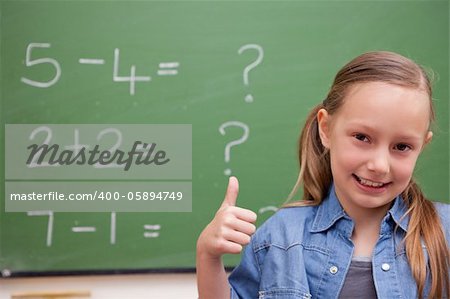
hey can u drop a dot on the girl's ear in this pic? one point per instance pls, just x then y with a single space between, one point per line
323 120
428 138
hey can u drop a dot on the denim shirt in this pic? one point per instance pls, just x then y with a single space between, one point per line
305 252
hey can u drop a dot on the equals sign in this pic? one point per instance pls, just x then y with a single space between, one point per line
168 68
153 230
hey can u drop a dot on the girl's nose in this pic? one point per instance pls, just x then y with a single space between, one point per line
379 162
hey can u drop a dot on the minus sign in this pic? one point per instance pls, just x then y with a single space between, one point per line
91 61
83 229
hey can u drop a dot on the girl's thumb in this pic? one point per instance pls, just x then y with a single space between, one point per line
232 192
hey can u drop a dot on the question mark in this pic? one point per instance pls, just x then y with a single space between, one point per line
248 68
234 142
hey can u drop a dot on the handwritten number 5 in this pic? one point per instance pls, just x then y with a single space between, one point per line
31 62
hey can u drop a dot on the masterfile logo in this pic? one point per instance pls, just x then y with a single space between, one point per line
94 156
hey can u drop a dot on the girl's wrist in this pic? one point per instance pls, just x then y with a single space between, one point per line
205 255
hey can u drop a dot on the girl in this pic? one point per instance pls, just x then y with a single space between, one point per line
363 228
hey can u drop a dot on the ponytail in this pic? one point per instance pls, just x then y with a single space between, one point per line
424 225
315 171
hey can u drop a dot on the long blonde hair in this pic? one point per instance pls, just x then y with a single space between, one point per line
315 171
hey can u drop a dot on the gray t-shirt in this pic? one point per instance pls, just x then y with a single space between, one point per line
359 280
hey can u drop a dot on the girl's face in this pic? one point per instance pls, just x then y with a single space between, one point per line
374 140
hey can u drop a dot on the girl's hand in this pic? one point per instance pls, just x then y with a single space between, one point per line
230 229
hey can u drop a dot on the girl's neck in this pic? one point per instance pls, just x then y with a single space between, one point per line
366 231
364 240
365 216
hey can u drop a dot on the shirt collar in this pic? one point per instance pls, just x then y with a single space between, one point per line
398 213
330 211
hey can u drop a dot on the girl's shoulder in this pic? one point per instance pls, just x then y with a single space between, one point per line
443 210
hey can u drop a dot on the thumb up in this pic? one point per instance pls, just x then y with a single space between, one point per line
231 193
231 227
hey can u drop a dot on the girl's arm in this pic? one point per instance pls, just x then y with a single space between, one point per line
230 229
211 277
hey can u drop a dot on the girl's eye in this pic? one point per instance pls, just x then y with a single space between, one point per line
402 147
361 137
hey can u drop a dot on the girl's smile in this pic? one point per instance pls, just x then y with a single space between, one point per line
369 185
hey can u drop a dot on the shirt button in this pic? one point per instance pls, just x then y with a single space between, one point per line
333 269
385 267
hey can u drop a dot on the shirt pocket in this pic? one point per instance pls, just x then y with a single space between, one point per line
282 272
284 294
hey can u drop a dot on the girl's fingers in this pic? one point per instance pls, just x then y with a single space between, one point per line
243 227
225 246
244 214
237 237
233 248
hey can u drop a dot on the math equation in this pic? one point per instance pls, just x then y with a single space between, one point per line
149 230
169 68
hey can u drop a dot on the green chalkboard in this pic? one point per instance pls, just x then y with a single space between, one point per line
258 65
